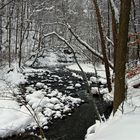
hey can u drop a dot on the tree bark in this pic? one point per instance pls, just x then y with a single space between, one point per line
121 54
114 31
108 31
135 29
1 12
99 21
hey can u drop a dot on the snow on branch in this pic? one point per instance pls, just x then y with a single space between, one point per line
83 73
87 46
74 54
116 11
60 37
109 40
93 51
6 4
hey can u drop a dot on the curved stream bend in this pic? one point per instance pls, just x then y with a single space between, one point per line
73 127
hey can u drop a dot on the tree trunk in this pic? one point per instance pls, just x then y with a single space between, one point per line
0 32
114 32
1 13
121 53
108 31
9 42
98 15
17 31
21 33
135 29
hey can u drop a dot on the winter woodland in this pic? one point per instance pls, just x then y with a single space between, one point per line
69 69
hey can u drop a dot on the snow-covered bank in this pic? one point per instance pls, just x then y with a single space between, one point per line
122 126
89 68
43 104
14 118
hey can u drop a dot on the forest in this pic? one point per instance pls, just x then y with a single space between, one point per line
69 69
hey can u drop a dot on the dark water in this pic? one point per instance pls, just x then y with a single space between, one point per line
74 127
71 127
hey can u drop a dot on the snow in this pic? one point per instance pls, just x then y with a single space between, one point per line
50 8
94 90
89 68
115 10
77 85
69 87
51 59
74 74
122 126
42 103
93 79
10 119
16 117
39 85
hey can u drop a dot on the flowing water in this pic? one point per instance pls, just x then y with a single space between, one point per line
72 127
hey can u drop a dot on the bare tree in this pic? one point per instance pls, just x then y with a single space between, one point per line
103 44
121 53
135 28
1 13
114 30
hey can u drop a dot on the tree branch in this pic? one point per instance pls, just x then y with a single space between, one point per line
83 73
94 52
6 4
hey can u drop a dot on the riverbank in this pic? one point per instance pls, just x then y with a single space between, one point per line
53 98
122 126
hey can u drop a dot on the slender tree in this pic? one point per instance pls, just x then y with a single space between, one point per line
121 54
103 43
1 12
135 28
114 30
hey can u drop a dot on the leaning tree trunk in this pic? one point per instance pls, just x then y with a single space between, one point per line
99 21
114 31
121 54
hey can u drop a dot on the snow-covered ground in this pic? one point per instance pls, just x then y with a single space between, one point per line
89 68
36 105
16 117
124 126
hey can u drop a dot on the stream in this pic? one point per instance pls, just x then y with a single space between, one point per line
75 125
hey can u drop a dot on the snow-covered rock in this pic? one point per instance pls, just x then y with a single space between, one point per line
93 79
102 81
39 85
30 89
70 87
48 112
54 93
94 90
54 100
77 85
